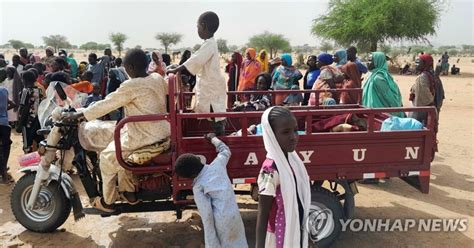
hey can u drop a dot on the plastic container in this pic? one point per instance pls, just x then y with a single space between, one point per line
29 159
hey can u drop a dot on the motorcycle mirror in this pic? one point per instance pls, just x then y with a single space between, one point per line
59 89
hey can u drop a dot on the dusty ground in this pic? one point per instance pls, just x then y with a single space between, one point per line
451 196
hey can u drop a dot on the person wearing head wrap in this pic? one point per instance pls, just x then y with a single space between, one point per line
274 63
157 65
380 90
286 75
263 59
187 77
329 78
35 58
49 59
249 71
24 56
283 183
188 80
115 79
71 61
424 91
82 68
233 69
310 76
340 58
352 81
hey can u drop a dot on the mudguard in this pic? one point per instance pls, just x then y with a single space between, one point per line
66 181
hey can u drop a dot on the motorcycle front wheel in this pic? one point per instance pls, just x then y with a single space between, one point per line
51 209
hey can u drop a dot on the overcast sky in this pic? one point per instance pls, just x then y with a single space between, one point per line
89 20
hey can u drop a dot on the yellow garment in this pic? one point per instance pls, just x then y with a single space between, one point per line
147 153
113 174
263 62
137 96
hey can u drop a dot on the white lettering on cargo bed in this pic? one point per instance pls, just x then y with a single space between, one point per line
306 156
358 157
251 159
412 152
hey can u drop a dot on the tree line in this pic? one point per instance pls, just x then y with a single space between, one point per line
370 25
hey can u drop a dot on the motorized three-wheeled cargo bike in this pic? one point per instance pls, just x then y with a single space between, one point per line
340 158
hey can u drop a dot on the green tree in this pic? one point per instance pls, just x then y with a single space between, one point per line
118 39
57 41
385 48
467 49
453 52
305 49
222 46
16 44
168 39
326 46
446 48
270 41
369 22
233 48
91 45
300 62
29 45
196 47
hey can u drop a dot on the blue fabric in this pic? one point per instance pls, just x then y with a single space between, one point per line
3 107
91 99
259 130
329 101
312 76
395 123
215 199
361 67
326 58
342 55
287 58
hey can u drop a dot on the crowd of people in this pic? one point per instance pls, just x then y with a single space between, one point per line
137 86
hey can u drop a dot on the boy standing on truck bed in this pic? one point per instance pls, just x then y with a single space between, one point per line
211 92
214 197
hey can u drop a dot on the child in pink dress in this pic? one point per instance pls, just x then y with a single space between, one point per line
284 189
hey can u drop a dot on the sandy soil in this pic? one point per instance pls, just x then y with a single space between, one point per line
451 196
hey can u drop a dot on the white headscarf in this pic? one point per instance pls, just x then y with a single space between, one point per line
287 184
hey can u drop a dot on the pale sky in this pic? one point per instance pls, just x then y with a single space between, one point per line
83 21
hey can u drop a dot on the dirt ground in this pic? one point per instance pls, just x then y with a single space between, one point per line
451 196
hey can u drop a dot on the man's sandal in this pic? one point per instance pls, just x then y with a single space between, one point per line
97 204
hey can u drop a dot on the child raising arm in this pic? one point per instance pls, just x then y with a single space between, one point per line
214 197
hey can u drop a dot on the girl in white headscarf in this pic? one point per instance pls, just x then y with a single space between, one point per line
283 184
